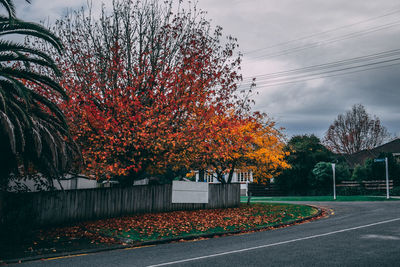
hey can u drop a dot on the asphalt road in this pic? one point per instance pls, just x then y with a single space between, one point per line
357 234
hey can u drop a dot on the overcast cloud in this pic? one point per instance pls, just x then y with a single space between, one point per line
310 106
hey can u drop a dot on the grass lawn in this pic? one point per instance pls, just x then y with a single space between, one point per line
180 224
318 198
156 226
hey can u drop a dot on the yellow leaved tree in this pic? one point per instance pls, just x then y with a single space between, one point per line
251 143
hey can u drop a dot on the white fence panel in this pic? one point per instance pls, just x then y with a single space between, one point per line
189 192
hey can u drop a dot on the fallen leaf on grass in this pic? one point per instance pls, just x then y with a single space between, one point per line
143 227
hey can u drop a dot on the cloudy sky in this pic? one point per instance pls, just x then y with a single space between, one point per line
285 35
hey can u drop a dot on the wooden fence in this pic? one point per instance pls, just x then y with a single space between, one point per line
367 185
264 190
63 207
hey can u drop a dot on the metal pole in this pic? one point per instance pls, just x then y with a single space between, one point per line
387 178
334 184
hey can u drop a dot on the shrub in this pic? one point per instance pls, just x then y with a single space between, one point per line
351 191
321 181
395 191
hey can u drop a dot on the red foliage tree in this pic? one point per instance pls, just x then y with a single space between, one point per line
154 92
144 83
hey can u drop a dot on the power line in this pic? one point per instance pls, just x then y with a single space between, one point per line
329 41
330 71
323 32
320 77
319 67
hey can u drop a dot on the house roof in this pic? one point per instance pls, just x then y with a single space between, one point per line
361 156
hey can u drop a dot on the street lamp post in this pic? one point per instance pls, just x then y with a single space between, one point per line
334 183
387 178
387 174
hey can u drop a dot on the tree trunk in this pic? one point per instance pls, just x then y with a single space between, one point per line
220 177
232 170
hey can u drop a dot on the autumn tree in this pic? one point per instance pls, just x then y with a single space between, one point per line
267 157
145 82
244 142
354 131
154 92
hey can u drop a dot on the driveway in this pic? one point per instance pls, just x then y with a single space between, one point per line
354 234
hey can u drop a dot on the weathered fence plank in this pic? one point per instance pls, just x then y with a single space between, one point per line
368 185
63 207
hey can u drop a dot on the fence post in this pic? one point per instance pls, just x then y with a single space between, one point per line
248 198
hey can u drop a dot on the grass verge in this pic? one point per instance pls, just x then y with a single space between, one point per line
318 198
181 224
155 227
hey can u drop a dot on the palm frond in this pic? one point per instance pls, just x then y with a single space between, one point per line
9 46
2 100
31 29
22 114
51 106
18 131
29 60
39 79
33 128
8 129
13 87
50 150
36 142
9 6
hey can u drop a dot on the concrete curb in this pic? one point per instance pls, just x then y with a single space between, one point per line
163 241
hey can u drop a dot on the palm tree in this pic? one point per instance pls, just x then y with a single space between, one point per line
33 130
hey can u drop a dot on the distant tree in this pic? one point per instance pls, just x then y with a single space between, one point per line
305 152
354 131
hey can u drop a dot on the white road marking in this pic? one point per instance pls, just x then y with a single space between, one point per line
273 244
382 237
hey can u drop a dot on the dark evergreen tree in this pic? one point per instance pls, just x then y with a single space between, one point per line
306 151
